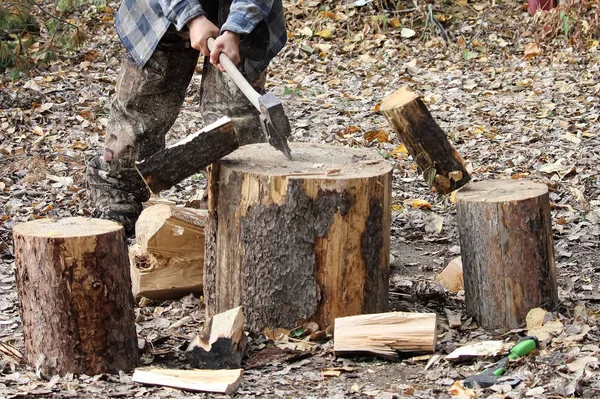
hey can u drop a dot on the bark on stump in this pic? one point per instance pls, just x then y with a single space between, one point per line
426 142
75 291
306 239
507 252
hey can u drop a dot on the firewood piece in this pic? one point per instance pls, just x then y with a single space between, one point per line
291 243
75 290
217 381
190 155
385 334
168 260
222 342
507 252
442 166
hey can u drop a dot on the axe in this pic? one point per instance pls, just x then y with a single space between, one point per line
273 119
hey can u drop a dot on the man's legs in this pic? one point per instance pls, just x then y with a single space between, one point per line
145 106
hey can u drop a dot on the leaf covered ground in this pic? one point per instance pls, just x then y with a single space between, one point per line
512 106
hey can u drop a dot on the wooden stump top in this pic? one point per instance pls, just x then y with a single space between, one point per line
398 99
66 227
328 162
501 191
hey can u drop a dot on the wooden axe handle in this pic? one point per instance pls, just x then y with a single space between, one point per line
237 76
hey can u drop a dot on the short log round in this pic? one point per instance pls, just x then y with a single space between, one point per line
306 239
507 252
74 286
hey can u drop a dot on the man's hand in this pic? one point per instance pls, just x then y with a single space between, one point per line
228 43
200 30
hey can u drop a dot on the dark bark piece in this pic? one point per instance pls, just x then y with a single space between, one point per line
507 251
442 166
298 240
217 381
167 260
168 167
75 291
385 335
221 344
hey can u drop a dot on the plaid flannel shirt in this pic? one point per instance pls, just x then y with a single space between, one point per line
142 23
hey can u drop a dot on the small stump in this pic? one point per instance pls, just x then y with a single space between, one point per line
75 291
507 252
291 241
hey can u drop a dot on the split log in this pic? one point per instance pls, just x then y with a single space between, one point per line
221 344
507 252
75 292
426 142
190 155
167 260
385 335
297 240
217 381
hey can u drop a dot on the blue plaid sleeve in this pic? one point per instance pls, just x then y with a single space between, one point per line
179 12
244 15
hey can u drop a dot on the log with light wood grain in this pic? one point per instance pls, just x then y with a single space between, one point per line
507 251
188 156
216 381
426 142
75 291
221 343
385 335
301 239
167 260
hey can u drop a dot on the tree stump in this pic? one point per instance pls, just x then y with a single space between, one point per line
507 252
426 142
75 291
306 239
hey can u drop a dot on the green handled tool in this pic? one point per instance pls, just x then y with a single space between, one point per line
494 374
273 119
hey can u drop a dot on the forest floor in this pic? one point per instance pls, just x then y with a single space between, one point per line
512 107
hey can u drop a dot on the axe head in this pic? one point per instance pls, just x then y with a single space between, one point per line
275 122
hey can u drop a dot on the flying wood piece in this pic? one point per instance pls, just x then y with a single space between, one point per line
217 381
385 334
168 167
442 166
222 342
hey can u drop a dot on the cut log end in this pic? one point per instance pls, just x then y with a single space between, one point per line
501 191
399 98
78 227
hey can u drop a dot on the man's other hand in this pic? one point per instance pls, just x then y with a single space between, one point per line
200 30
228 43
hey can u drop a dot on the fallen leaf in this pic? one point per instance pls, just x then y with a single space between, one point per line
434 223
395 22
582 362
407 33
535 318
60 181
469 55
417 203
532 50
547 331
306 31
459 392
325 33
452 276
400 151
380 135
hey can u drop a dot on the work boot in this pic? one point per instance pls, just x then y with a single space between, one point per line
117 195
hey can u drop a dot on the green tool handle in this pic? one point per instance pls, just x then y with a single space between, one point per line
522 349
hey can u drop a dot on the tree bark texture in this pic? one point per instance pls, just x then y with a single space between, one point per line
443 168
188 156
75 292
291 241
507 251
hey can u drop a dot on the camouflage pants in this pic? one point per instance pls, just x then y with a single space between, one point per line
148 100
146 104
